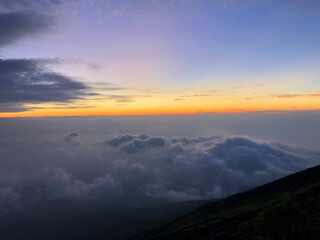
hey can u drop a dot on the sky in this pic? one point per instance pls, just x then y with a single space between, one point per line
121 57
223 96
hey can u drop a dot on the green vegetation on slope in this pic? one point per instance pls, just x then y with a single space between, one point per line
288 208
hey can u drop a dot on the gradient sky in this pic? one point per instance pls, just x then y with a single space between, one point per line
160 57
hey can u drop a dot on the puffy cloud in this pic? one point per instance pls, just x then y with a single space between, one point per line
117 141
38 164
183 168
137 145
136 169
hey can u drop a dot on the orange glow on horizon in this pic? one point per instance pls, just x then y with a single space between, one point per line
74 113
169 104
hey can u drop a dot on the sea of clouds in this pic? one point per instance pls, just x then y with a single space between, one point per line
47 165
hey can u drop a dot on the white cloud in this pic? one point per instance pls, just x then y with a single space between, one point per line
133 169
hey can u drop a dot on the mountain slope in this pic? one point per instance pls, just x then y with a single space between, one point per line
288 208
69 220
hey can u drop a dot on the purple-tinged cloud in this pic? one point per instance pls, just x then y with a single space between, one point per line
135 169
30 81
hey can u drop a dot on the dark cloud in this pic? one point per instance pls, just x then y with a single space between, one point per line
30 81
71 136
18 25
27 4
25 81
13 107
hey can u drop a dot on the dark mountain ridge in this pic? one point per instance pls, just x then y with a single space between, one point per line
288 208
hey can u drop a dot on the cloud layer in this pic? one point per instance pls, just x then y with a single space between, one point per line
138 169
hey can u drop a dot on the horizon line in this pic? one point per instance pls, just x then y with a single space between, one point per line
172 114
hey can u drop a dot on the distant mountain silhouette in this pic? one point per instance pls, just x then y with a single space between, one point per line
288 208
